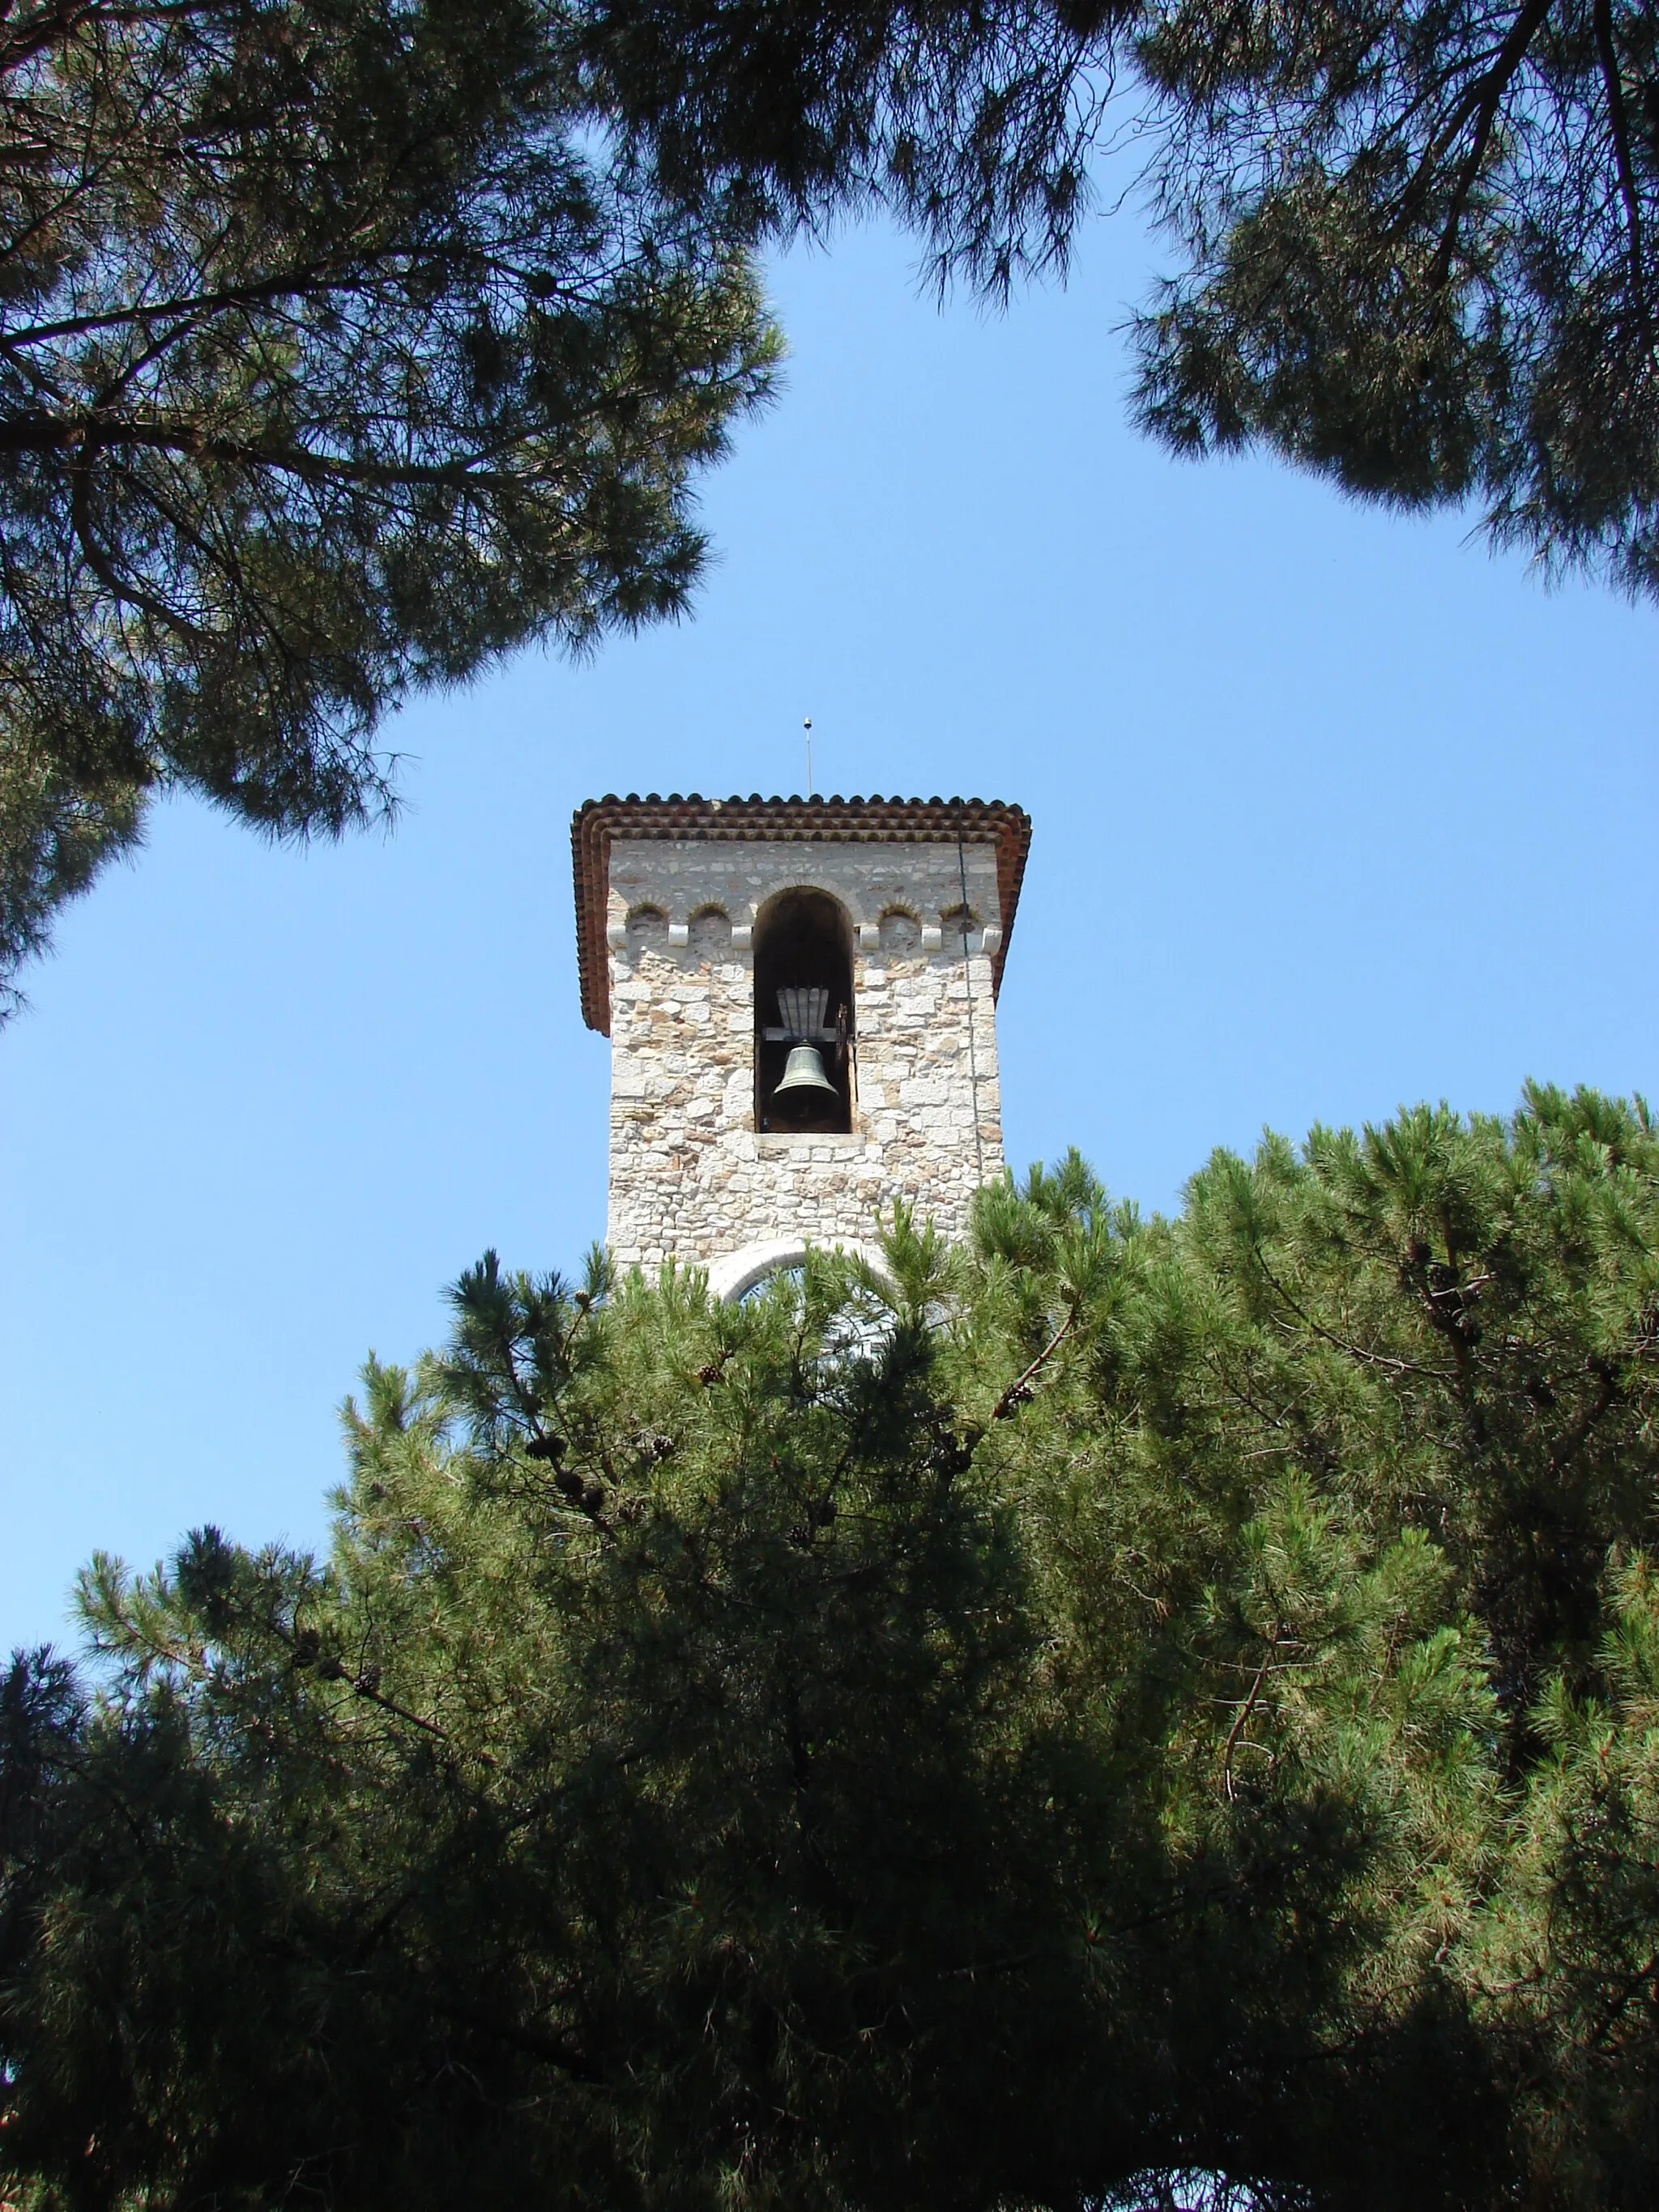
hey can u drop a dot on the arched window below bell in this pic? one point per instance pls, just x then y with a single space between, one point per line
804 1015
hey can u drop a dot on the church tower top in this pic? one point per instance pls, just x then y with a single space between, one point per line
800 996
599 822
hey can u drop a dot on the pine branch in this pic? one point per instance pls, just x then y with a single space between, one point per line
1020 1388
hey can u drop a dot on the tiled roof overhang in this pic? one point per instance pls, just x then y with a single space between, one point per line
755 820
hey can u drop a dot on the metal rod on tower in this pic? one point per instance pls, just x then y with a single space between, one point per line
807 726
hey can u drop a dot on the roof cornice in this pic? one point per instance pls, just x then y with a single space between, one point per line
596 825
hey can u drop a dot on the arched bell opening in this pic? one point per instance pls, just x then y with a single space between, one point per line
804 1015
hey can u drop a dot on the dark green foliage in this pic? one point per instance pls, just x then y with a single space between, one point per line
975 122
331 362
1419 242
1423 257
1131 1701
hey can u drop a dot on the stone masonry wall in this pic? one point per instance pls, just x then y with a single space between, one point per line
690 1179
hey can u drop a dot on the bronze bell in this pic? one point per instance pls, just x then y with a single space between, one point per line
805 1072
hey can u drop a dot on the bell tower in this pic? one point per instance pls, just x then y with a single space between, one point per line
800 996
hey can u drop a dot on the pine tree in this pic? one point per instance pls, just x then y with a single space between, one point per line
334 361
1417 243
1135 1712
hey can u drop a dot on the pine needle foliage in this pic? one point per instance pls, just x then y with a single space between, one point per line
1415 243
1131 1712
335 362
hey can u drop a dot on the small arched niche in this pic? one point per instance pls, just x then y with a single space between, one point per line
711 935
647 930
900 933
804 981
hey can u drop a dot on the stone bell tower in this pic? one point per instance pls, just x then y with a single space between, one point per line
801 1000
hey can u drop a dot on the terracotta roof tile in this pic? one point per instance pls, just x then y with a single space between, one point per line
754 819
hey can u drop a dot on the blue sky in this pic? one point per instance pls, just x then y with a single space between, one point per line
1332 811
